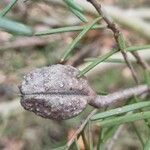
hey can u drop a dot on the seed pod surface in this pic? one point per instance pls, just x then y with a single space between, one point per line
55 92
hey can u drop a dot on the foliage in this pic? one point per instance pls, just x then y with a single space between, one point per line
108 121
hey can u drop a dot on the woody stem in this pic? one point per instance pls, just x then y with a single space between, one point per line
120 96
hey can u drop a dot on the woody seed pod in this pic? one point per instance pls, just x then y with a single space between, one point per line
55 92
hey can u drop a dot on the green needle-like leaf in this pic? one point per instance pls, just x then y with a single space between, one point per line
125 119
8 8
60 148
104 57
109 60
76 9
15 27
96 62
147 145
72 4
135 48
67 29
138 133
79 15
110 132
76 144
147 77
78 38
120 110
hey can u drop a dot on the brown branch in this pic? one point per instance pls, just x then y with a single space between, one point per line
119 96
121 16
104 101
117 34
141 62
27 42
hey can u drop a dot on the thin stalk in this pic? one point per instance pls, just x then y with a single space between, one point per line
84 138
100 144
118 36
147 145
72 4
120 110
108 100
67 29
8 8
141 110
106 56
125 119
90 135
96 62
135 48
138 133
78 14
78 38
76 144
109 60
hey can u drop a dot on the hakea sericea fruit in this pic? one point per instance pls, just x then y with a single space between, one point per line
55 92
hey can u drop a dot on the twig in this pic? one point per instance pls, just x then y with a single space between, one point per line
8 8
142 62
119 96
129 66
121 16
27 42
117 35
103 67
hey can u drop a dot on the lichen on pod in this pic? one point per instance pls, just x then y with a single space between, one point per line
55 92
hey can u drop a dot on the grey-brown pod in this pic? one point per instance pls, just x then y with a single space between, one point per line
55 92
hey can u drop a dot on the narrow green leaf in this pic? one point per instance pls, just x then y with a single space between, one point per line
120 110
100 144
74 5
125 119
96 62
147 145
76 9
67 29
8 8
100 59
146 121
147 77
78 38
135 48
76 144
60 148
110 132
139 134
14 27
90 139
109 60
79 15
84 138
